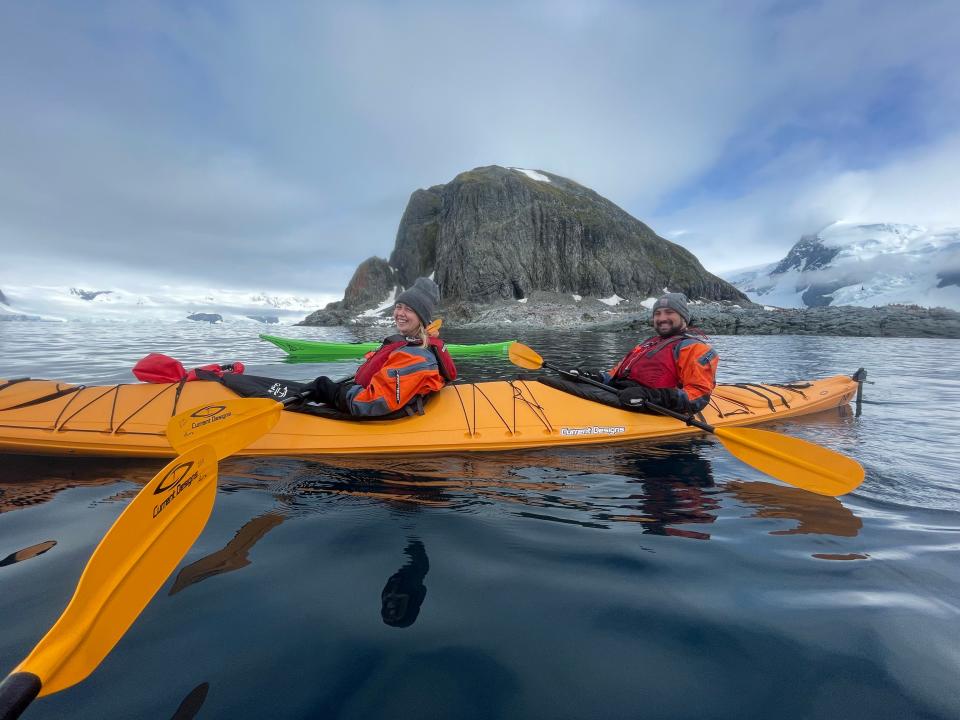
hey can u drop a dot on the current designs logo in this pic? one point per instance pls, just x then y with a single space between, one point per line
593 430
209 414
173 477
208 411
180 478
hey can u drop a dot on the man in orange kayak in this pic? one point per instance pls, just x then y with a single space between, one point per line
675 368
407 367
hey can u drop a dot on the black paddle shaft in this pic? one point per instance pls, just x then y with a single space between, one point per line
299 397
16 692
688 419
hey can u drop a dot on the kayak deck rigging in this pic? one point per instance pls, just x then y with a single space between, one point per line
538 410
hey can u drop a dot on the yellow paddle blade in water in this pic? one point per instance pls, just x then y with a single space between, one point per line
129 565
794 461
226 426
524 356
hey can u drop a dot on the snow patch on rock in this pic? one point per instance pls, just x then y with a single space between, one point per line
532 174
385 305
613 300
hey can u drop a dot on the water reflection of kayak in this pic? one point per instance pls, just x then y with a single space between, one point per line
49 417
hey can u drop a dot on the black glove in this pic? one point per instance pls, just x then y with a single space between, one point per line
594 375
323 390
633 398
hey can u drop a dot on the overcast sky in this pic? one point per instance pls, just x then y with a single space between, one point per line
273 145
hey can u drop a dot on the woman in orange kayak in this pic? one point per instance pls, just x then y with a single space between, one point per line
675 368
407 367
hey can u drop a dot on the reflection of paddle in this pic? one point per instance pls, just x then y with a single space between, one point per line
129 565
231 557
28 552
814 514
192 703
794 461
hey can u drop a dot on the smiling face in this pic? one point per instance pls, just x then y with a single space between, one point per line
667 321
406 320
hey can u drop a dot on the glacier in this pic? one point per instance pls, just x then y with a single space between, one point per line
862 264
169 303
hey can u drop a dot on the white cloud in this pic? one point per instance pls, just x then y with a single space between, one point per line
921 187
279 143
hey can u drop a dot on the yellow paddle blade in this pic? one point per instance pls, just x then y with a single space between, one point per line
129 565
227 426
433 329
524 357
794 461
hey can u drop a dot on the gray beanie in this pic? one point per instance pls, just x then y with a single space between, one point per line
674 301
422 297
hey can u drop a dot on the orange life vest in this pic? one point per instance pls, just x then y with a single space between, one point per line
375 362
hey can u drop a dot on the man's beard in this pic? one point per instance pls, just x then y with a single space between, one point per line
668 329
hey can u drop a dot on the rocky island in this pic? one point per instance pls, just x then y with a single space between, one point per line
532 249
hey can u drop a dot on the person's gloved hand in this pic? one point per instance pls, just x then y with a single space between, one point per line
634 397
322 390
588 373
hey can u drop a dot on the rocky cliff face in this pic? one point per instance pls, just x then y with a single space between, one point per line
372 282
497 233
808 256
415 252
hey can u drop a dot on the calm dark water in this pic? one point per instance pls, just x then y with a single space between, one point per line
654 580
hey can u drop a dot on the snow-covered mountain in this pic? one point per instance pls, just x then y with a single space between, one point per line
866 265
53 303
8 313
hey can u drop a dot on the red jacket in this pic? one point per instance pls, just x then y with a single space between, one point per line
685 362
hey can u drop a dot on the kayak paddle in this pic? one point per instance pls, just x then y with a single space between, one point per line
797 462
140 550
127 568
226 425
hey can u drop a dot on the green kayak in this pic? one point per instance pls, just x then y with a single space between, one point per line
325 350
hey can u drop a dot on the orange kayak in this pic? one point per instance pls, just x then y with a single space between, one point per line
46 417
